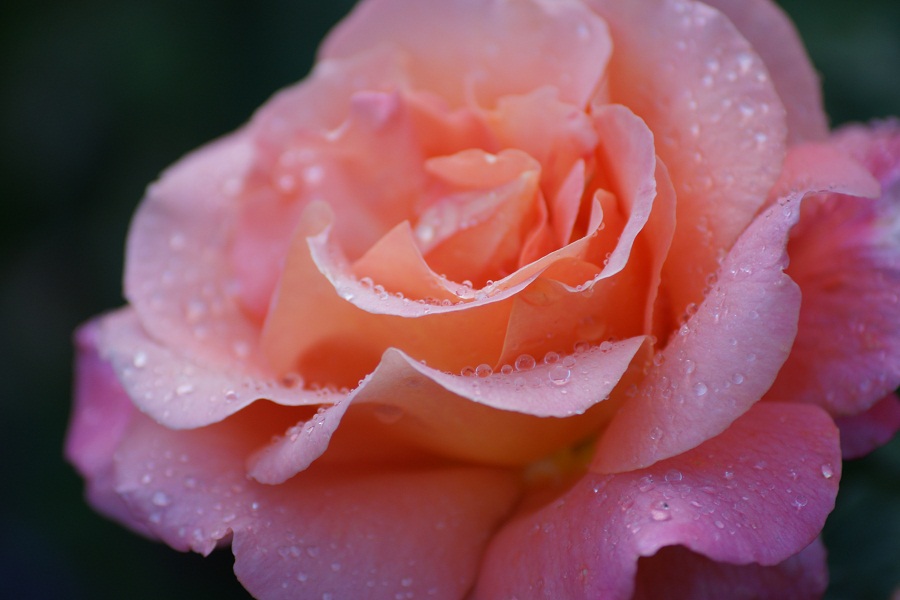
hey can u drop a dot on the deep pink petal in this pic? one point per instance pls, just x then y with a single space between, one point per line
723 358
101 416
718 124
328 531
676 572
772 34
487 50
757 493
864 432
845 257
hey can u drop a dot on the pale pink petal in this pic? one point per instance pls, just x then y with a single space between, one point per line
864 432
676 572
771 33
178 276
101 416
757 493
845 257
718 123
326 531
721 361
487 50
180 391
823 168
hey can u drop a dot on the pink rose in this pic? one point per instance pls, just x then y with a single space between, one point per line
509 300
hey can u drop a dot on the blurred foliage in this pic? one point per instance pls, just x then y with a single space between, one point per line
98 97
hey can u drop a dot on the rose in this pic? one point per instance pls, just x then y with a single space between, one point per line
631 200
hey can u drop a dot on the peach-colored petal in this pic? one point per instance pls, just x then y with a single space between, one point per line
719 500
489 50
554 133
718 123
774 37
676 572
846 260
864 432
722 359
496 418
326 531
552 314
319 310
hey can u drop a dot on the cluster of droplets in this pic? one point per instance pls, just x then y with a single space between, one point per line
554 370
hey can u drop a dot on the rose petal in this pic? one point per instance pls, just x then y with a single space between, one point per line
823 168
500 419
676 572
864 432
324 532
717 120
497 50
717 500
846 260
101 416
772 34
181 392
559 309
722 359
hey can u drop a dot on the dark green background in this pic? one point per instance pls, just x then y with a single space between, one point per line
96 97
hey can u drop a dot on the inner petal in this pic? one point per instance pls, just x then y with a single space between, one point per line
478 211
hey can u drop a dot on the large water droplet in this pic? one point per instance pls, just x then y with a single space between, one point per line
525 362
559 374
827 471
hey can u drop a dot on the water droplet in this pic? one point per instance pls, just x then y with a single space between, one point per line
559 374
525 362
827 471
799 502
674 475
737 378
484 370
467 372
551 358
140 360
689 366
656 433
160 499
700 388
184 389
506 369
719 524
658 359
729 475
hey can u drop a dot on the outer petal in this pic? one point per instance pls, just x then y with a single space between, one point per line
486 49
758 493
717 119
332 532
845 256
864 432
100 419
773 36
721 361
676 572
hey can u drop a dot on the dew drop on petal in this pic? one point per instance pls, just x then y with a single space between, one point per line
525 362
